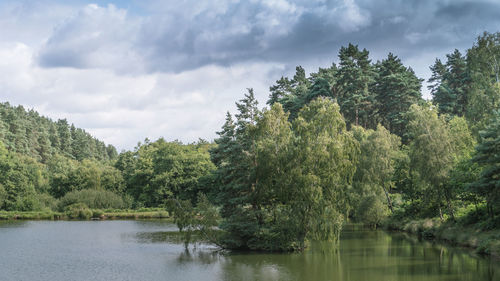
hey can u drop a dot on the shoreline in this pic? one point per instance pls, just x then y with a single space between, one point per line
95 215
483 242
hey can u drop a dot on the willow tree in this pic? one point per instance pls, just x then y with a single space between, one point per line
323 168
436 148
376 165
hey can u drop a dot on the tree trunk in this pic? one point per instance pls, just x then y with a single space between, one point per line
388 199
356 116
450 208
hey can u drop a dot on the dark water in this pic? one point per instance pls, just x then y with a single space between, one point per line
142 250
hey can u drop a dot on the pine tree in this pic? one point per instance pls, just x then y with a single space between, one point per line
396 88
282 88
237 161
64 134
488 156
451 83
353 86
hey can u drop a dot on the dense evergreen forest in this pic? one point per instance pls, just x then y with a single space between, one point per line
354 141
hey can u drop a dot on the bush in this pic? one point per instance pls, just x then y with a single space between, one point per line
78 211
94 199
34 202
97 213
471 214
47 202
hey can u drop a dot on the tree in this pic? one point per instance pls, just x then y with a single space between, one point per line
236 161
64 134
488 157
451 84
436 148
356 76
323 167
376 165
281 89
319 88
483 62
397 88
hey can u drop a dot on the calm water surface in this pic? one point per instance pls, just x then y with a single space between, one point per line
141 250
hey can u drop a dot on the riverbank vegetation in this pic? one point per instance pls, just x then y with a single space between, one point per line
82 212
354 141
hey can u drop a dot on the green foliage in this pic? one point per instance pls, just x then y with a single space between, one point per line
488 157
94 199
282 184
156 171
376 166
355 77
203 218
367 93
483 63
451 84
372 211
78 211
37 160
28 133
438 150
68 175
396 89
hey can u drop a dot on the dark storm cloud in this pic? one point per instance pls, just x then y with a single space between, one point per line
192 34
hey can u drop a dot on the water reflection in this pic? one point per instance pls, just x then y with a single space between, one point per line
13 223
362 255
200 256
173 237
153 250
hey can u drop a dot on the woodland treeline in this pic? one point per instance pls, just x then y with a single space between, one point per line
354 141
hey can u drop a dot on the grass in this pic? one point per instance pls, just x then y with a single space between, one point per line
41 215
135 214
149 213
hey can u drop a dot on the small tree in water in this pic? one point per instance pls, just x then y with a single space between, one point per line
188 219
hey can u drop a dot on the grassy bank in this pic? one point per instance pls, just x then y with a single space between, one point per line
87 214
475 236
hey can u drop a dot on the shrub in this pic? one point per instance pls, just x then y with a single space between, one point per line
78 211
94 199
47 201
97 213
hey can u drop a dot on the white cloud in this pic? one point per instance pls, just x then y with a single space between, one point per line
173 69
353 17
124 109
95 37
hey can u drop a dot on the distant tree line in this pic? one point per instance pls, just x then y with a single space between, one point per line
26 132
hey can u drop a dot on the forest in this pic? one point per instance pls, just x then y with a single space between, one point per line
352 142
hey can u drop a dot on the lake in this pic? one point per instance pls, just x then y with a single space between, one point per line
142 250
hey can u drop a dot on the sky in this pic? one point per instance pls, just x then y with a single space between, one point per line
129 70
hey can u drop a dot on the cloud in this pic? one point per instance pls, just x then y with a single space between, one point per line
192 34
96 37
155 68
124 109
187 35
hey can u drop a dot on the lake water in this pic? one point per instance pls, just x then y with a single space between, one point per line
141 250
